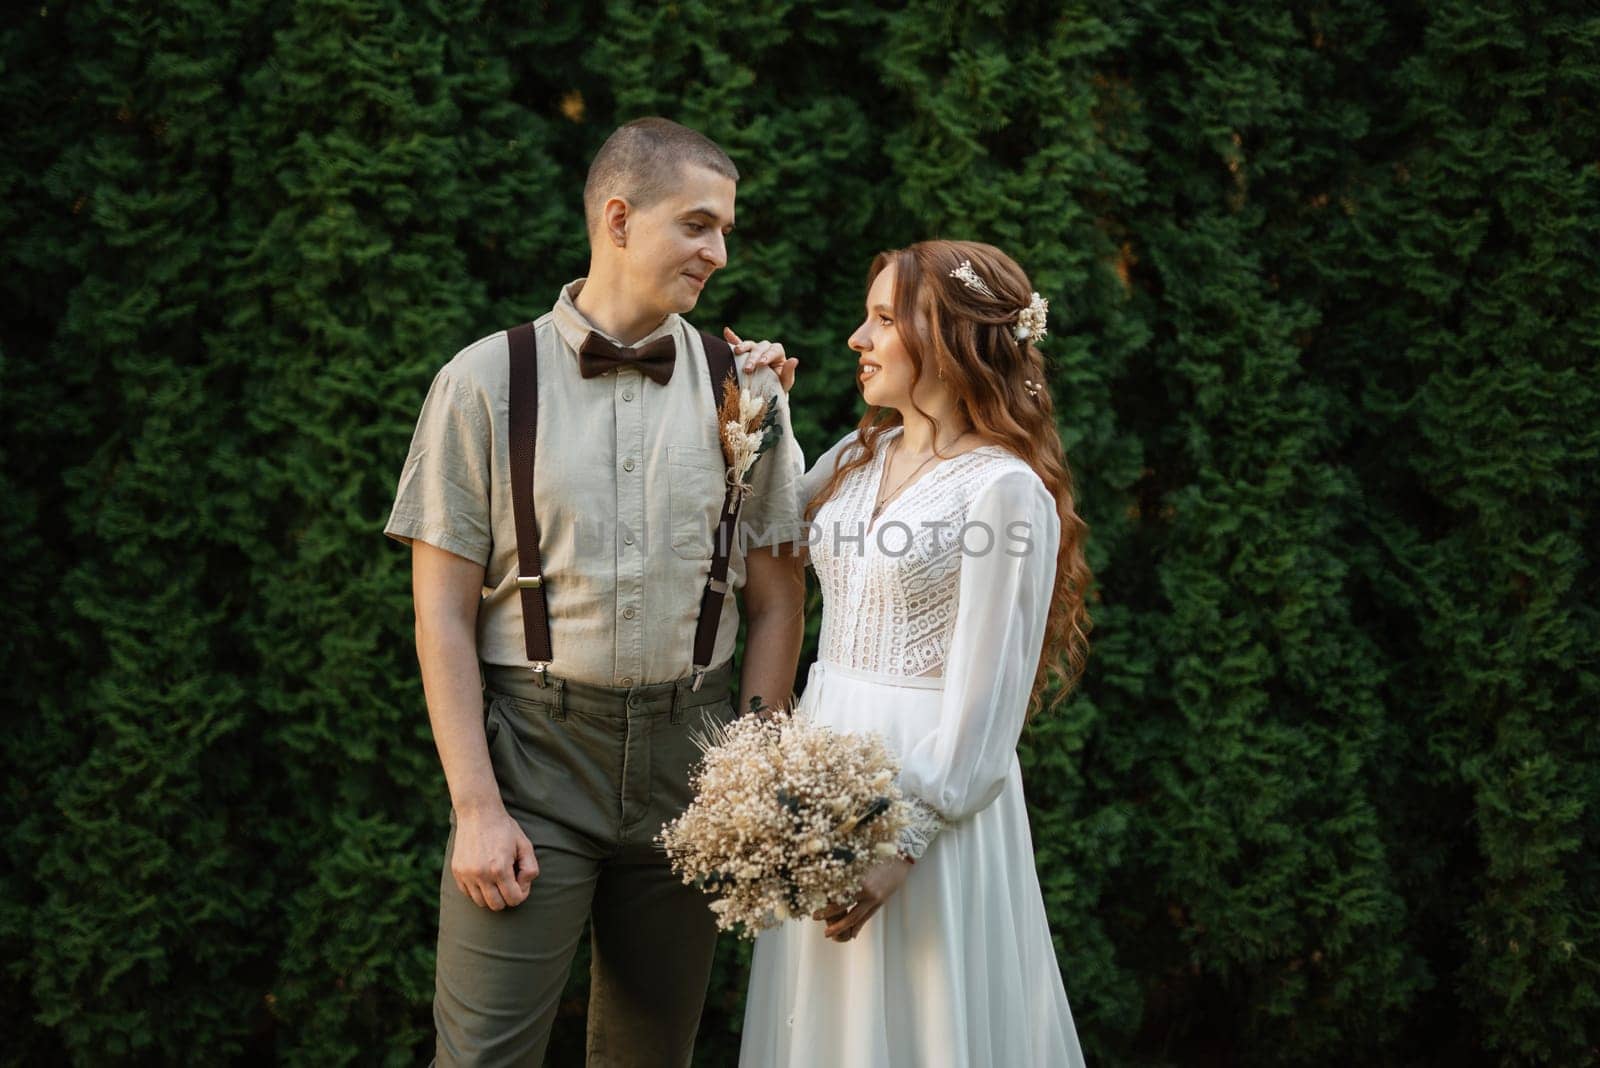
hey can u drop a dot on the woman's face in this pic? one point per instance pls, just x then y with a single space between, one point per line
883 368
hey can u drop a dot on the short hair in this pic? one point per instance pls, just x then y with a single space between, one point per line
641 161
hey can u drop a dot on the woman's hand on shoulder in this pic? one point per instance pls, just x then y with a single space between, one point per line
763 354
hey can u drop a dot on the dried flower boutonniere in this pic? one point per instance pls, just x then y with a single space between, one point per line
749 427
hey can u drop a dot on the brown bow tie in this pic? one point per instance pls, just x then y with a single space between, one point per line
597 356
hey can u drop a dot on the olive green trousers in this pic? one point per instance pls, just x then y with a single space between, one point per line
590 773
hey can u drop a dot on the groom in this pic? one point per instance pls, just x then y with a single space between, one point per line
560 499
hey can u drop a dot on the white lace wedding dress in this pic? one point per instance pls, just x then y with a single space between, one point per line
931 634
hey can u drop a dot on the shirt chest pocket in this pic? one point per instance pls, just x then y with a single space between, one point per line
694 498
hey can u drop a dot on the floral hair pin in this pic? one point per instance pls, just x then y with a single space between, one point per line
1030 320
969 278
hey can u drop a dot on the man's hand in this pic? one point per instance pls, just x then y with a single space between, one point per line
879 885
764 354
493 861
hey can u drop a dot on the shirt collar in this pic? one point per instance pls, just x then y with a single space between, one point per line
574 326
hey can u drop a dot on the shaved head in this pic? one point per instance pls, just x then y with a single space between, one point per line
643 161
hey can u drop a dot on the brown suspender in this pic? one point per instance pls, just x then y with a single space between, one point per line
524 440
719 368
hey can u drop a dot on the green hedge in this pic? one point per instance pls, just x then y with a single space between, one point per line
1325 286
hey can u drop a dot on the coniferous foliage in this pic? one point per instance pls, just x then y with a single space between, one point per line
1325 319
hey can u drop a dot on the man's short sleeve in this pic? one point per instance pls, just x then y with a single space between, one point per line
772 514
443 495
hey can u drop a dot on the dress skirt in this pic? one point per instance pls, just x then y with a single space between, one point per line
957 969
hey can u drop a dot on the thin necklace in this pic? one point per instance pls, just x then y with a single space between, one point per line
885 498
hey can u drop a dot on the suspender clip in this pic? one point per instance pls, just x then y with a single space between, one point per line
538 673
719 586
699 677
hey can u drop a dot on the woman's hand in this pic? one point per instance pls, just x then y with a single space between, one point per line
763 354
879 885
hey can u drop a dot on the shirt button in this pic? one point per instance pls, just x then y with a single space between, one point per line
627 680
627 539
627 465
627 613
627 394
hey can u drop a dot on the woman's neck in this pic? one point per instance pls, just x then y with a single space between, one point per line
917 436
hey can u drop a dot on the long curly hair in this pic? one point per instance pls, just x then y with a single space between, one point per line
968 337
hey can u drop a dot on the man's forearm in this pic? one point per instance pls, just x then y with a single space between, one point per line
448 655
771 651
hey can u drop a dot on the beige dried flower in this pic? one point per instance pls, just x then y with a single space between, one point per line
749 426
1032 321
788 816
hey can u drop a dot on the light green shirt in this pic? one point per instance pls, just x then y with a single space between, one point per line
629 481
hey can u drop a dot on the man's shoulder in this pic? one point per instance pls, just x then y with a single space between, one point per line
485 363
763 381
704 334
698 339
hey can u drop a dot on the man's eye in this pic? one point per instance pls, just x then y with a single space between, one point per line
695 228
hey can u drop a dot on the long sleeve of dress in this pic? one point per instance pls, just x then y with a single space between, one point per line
1004 600
819 473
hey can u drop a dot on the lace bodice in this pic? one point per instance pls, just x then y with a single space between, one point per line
891 586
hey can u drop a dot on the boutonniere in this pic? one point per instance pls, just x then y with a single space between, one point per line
749 427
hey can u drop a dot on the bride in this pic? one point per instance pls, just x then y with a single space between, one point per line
953 578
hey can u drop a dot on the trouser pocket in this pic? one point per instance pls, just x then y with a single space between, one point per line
554 764
676 752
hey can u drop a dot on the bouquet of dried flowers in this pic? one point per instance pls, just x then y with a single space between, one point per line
788 817
749 426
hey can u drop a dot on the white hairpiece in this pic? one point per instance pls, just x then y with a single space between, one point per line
969 278
1031 320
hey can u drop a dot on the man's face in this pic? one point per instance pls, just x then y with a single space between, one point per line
675 244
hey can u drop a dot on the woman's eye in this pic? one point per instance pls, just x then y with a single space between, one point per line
885 320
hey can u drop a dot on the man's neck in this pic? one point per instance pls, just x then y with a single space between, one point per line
605 303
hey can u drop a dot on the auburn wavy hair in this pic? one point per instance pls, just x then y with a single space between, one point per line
969 339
